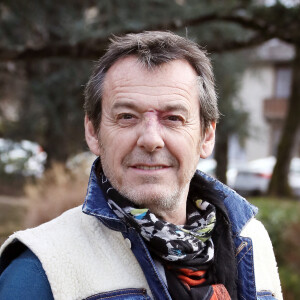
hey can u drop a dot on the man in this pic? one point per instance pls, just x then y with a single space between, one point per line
152 227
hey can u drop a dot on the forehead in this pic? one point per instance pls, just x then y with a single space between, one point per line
129 72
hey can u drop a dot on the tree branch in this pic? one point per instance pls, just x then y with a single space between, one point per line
93 48
231 45
245 22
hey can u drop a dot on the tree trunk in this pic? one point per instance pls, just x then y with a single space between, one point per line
279 185
221 156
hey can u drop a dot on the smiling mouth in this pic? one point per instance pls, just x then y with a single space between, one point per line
149 167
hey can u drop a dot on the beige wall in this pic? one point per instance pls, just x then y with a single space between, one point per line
257 84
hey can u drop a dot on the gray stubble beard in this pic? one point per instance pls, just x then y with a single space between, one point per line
161 203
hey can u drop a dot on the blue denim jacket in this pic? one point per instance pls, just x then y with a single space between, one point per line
239 210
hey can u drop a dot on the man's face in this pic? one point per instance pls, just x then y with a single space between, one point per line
150 135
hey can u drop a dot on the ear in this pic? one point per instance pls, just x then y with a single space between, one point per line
91 136
208 142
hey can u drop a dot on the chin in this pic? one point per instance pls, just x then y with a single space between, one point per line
159 199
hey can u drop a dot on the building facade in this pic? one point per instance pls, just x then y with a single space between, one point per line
265 89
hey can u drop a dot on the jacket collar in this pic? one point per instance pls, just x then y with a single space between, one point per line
239 210
96 205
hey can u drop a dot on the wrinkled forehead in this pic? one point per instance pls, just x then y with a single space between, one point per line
129 71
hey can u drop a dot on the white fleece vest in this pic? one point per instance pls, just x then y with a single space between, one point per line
82 257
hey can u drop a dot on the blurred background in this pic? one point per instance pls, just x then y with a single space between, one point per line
47 51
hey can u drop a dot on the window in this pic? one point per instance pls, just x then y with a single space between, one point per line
283 81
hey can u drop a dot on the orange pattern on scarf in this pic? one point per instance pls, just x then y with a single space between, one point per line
190 277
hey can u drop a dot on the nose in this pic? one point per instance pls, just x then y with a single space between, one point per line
150 136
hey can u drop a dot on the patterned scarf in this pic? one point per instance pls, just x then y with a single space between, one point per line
186 251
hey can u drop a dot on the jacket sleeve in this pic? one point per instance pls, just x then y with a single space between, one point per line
265 266
25 278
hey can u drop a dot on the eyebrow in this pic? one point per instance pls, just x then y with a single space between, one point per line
175 107
167 107
125 104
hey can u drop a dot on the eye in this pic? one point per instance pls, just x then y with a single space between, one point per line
125 116
126 119
175 118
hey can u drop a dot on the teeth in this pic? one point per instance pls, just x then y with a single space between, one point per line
149 168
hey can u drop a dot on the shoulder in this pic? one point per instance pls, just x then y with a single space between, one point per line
252 227
63 228
25 278
265 266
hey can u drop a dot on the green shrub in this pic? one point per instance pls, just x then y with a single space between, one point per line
290 283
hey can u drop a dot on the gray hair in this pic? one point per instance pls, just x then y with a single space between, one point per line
153 48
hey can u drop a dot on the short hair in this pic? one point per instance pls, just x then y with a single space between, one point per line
153 48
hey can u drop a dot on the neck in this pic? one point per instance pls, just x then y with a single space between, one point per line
176 217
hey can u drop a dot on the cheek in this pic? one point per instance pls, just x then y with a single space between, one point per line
184 148
117 144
